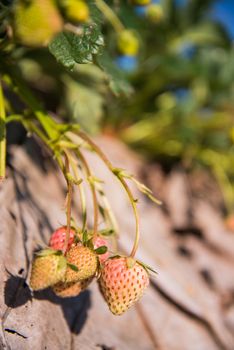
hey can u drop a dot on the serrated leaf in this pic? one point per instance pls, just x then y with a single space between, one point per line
70 48
101 250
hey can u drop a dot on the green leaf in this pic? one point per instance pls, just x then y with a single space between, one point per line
70 48
147 267
73 267
85 237
106 232
47 252
89 243
101 250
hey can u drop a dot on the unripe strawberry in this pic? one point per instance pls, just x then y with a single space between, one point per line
71 289
122 283
76 10
48 268
99 242
58 238
128 43
155 13
36 22
84 259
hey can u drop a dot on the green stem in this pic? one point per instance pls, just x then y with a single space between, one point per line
31 127
93 191
21 89
110 15
124 184
14 118
74 166
68 204
2 136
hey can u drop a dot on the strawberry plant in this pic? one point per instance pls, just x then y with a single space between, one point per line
182 108
43 47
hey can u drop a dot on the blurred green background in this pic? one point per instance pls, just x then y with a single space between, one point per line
173 100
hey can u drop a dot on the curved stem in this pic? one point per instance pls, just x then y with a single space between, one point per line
2 136
93 191
124 184
109 213
109 216
74 166
68 203
110 15
134 207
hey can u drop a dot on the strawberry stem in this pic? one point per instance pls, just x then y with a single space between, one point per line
110 15
93 191
124 184
74 165
69 200
2 136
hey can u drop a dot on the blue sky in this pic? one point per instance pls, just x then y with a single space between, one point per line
222 11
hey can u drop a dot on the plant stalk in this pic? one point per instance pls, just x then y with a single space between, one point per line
110 15
68 203
74 165
93 191
124 184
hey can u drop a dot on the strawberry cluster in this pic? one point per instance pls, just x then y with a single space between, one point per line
122 280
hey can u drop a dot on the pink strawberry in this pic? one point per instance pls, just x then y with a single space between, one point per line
99 242
58 237
122 283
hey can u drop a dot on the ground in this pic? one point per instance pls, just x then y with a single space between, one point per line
190 302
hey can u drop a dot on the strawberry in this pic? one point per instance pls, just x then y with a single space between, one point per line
76 11
48 268
36 22
99 242
58 237
71 289
122 283
84 259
